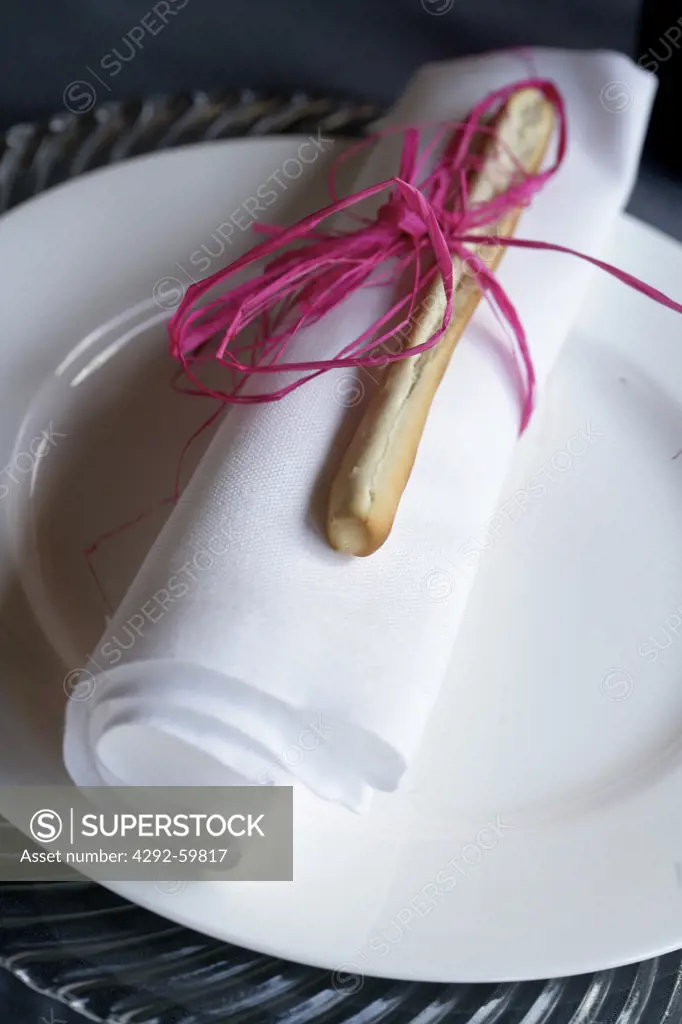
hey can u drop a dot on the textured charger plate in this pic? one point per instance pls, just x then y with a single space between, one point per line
116 962
34 157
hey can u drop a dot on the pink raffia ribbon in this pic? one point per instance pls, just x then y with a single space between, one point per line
426 220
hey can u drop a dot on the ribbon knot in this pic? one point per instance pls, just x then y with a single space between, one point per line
399 218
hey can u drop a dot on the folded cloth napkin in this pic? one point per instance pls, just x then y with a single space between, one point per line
267 657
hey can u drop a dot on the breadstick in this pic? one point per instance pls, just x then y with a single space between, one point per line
371 478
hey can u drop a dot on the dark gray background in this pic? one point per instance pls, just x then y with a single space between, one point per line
363 48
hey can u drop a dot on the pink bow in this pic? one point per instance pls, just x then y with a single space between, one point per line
423 223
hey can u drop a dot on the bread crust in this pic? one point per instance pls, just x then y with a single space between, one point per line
370 480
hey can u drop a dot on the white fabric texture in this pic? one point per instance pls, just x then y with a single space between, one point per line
276 658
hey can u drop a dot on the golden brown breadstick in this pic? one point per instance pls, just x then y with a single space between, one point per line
369 483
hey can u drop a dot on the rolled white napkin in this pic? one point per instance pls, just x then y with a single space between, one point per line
247 650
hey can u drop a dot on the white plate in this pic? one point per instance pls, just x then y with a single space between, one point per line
562 712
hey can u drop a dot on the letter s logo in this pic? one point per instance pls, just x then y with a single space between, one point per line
45 826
